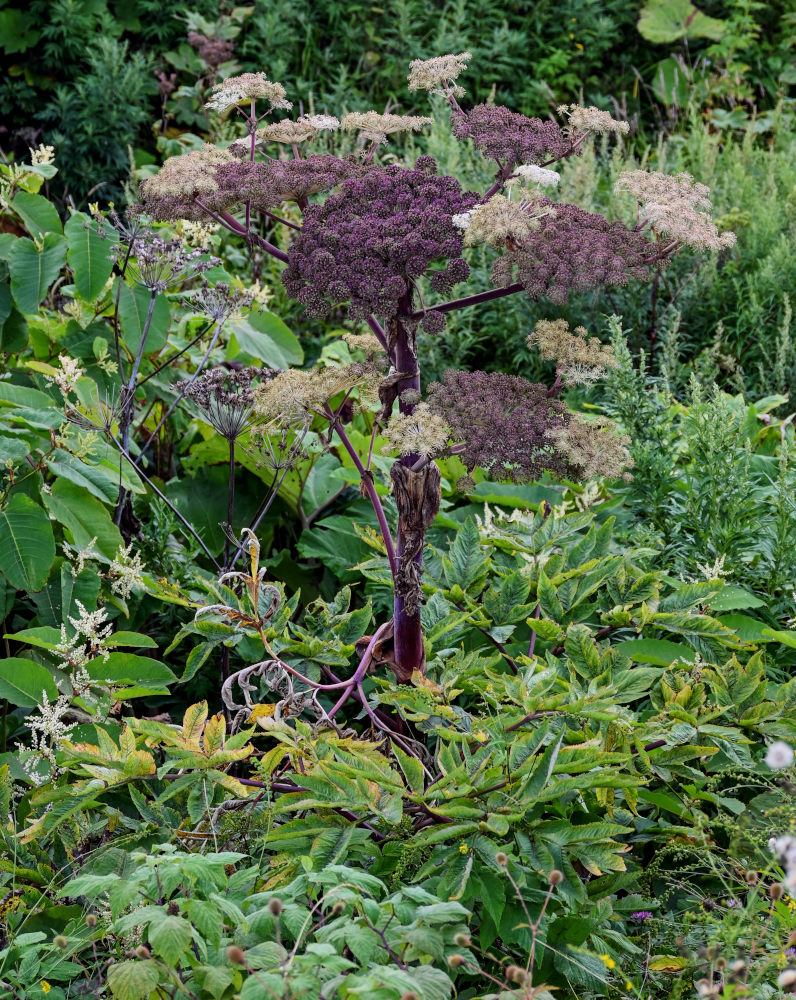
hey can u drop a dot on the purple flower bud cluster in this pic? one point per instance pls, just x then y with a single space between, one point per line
366 243
510 137
504 421
575 249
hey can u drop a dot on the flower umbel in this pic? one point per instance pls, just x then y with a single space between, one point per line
421 432
438 74
237 90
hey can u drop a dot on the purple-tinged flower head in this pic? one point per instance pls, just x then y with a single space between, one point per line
510 137
572 249
366 243
294 180
641 916
212 179
182 182
506 423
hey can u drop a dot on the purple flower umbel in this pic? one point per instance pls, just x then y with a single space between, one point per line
641 916
365 244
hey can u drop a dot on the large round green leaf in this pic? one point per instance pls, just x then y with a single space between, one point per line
34 269
665 21
88 256
22 682
265 337
27 546
84 516
39 215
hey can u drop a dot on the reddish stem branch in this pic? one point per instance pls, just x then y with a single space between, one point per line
471 300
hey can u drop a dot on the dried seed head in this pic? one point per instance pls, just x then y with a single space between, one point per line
555 877
776 891
456 961
501 859
60 941
91 920
275 907
462 940
235 955
143 952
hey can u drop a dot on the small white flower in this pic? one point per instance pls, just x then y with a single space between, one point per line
780 755
462 221
540 176
66 379
127 569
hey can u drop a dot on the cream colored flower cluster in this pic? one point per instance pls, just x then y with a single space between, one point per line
295 393
247 87
497 222
421 432
67 378
376 127
591 119
437 74
538 175
580 358
594 447
187 175
676 206
293 132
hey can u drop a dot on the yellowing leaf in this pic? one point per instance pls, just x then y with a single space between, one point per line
261 712
667 963
193 721
215 733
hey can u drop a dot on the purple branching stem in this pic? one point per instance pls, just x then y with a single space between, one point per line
503 175
278 218
535 926
379 332
537 611
236 228
555 388
451 98
472 300
128 403
356 680
421 463
578 142
367 479
372 443
251 121
268 247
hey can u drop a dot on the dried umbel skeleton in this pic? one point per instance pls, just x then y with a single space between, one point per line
382 240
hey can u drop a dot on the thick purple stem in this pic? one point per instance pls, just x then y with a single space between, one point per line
410 654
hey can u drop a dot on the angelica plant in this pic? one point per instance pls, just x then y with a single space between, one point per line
383 242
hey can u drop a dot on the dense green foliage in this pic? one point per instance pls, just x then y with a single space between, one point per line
576 800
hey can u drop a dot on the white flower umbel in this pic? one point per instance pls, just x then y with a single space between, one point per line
462 221
779 755
539 175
